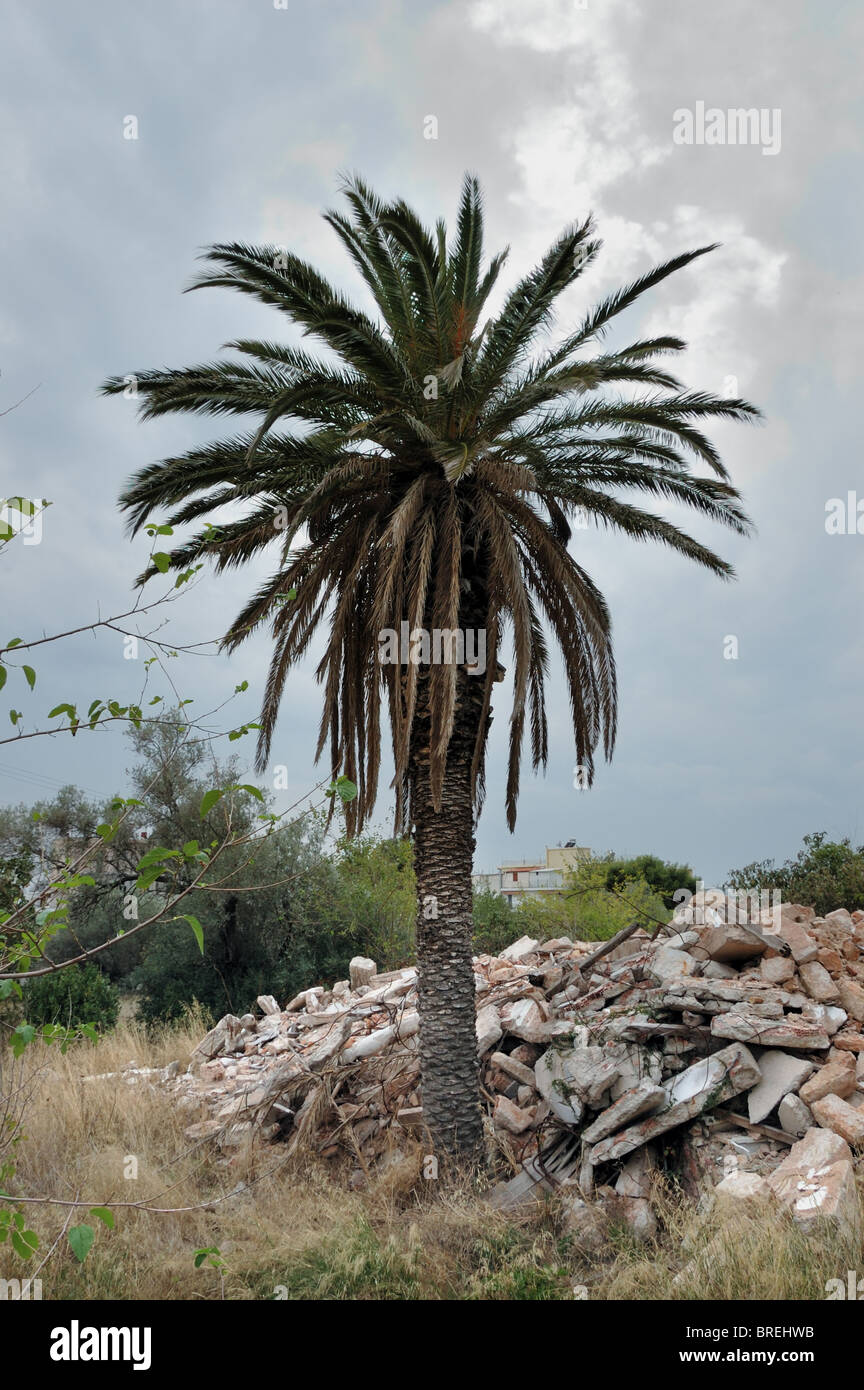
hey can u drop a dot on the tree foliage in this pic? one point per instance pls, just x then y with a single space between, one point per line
428 468
825 874
81 994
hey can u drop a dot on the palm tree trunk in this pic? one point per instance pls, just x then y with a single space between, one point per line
443 860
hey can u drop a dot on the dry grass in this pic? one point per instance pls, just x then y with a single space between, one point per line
296 1231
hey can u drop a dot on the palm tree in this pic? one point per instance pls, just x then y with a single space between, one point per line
429 472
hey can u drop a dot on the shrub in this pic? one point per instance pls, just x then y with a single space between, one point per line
662 877
496 923
75 995
825 874
602 905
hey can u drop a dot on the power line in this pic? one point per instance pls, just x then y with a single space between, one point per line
42 782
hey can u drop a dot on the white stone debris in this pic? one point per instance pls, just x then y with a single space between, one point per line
705 1035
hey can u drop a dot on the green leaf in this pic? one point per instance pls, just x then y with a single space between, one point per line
16 642
104 1215
238 689
80 1239
197 929
208 801
186 576
29 675
25 1243
346 789
161 561
2 676
22 1037
253 791
62 709
212 1254
157 855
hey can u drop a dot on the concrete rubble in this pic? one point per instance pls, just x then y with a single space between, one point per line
732 1049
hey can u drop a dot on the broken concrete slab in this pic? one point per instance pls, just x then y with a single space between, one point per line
826 1015
781 1073
818 983
522 1016
765 1032
795 1117
373 1043
837 1078
636 1178
817 1149
635 1064
741 1186
361 969
411 1117
557 1090
776 970
851 995
640 1100
732 943
489 1028
525 946
586 1072
515 1069
841 918
511 1117
799 941
705 1084
817 1181
668 963
838 1115
219 1040
716 970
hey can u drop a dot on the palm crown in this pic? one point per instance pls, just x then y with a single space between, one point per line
432 466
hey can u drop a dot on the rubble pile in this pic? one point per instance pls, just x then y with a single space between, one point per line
741 1042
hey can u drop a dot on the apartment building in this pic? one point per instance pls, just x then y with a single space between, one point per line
516 879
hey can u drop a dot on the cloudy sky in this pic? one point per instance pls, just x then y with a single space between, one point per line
246 115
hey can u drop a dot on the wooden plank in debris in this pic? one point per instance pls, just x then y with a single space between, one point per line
767 1131
603 950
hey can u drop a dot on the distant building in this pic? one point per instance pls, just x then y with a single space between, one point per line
516 879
